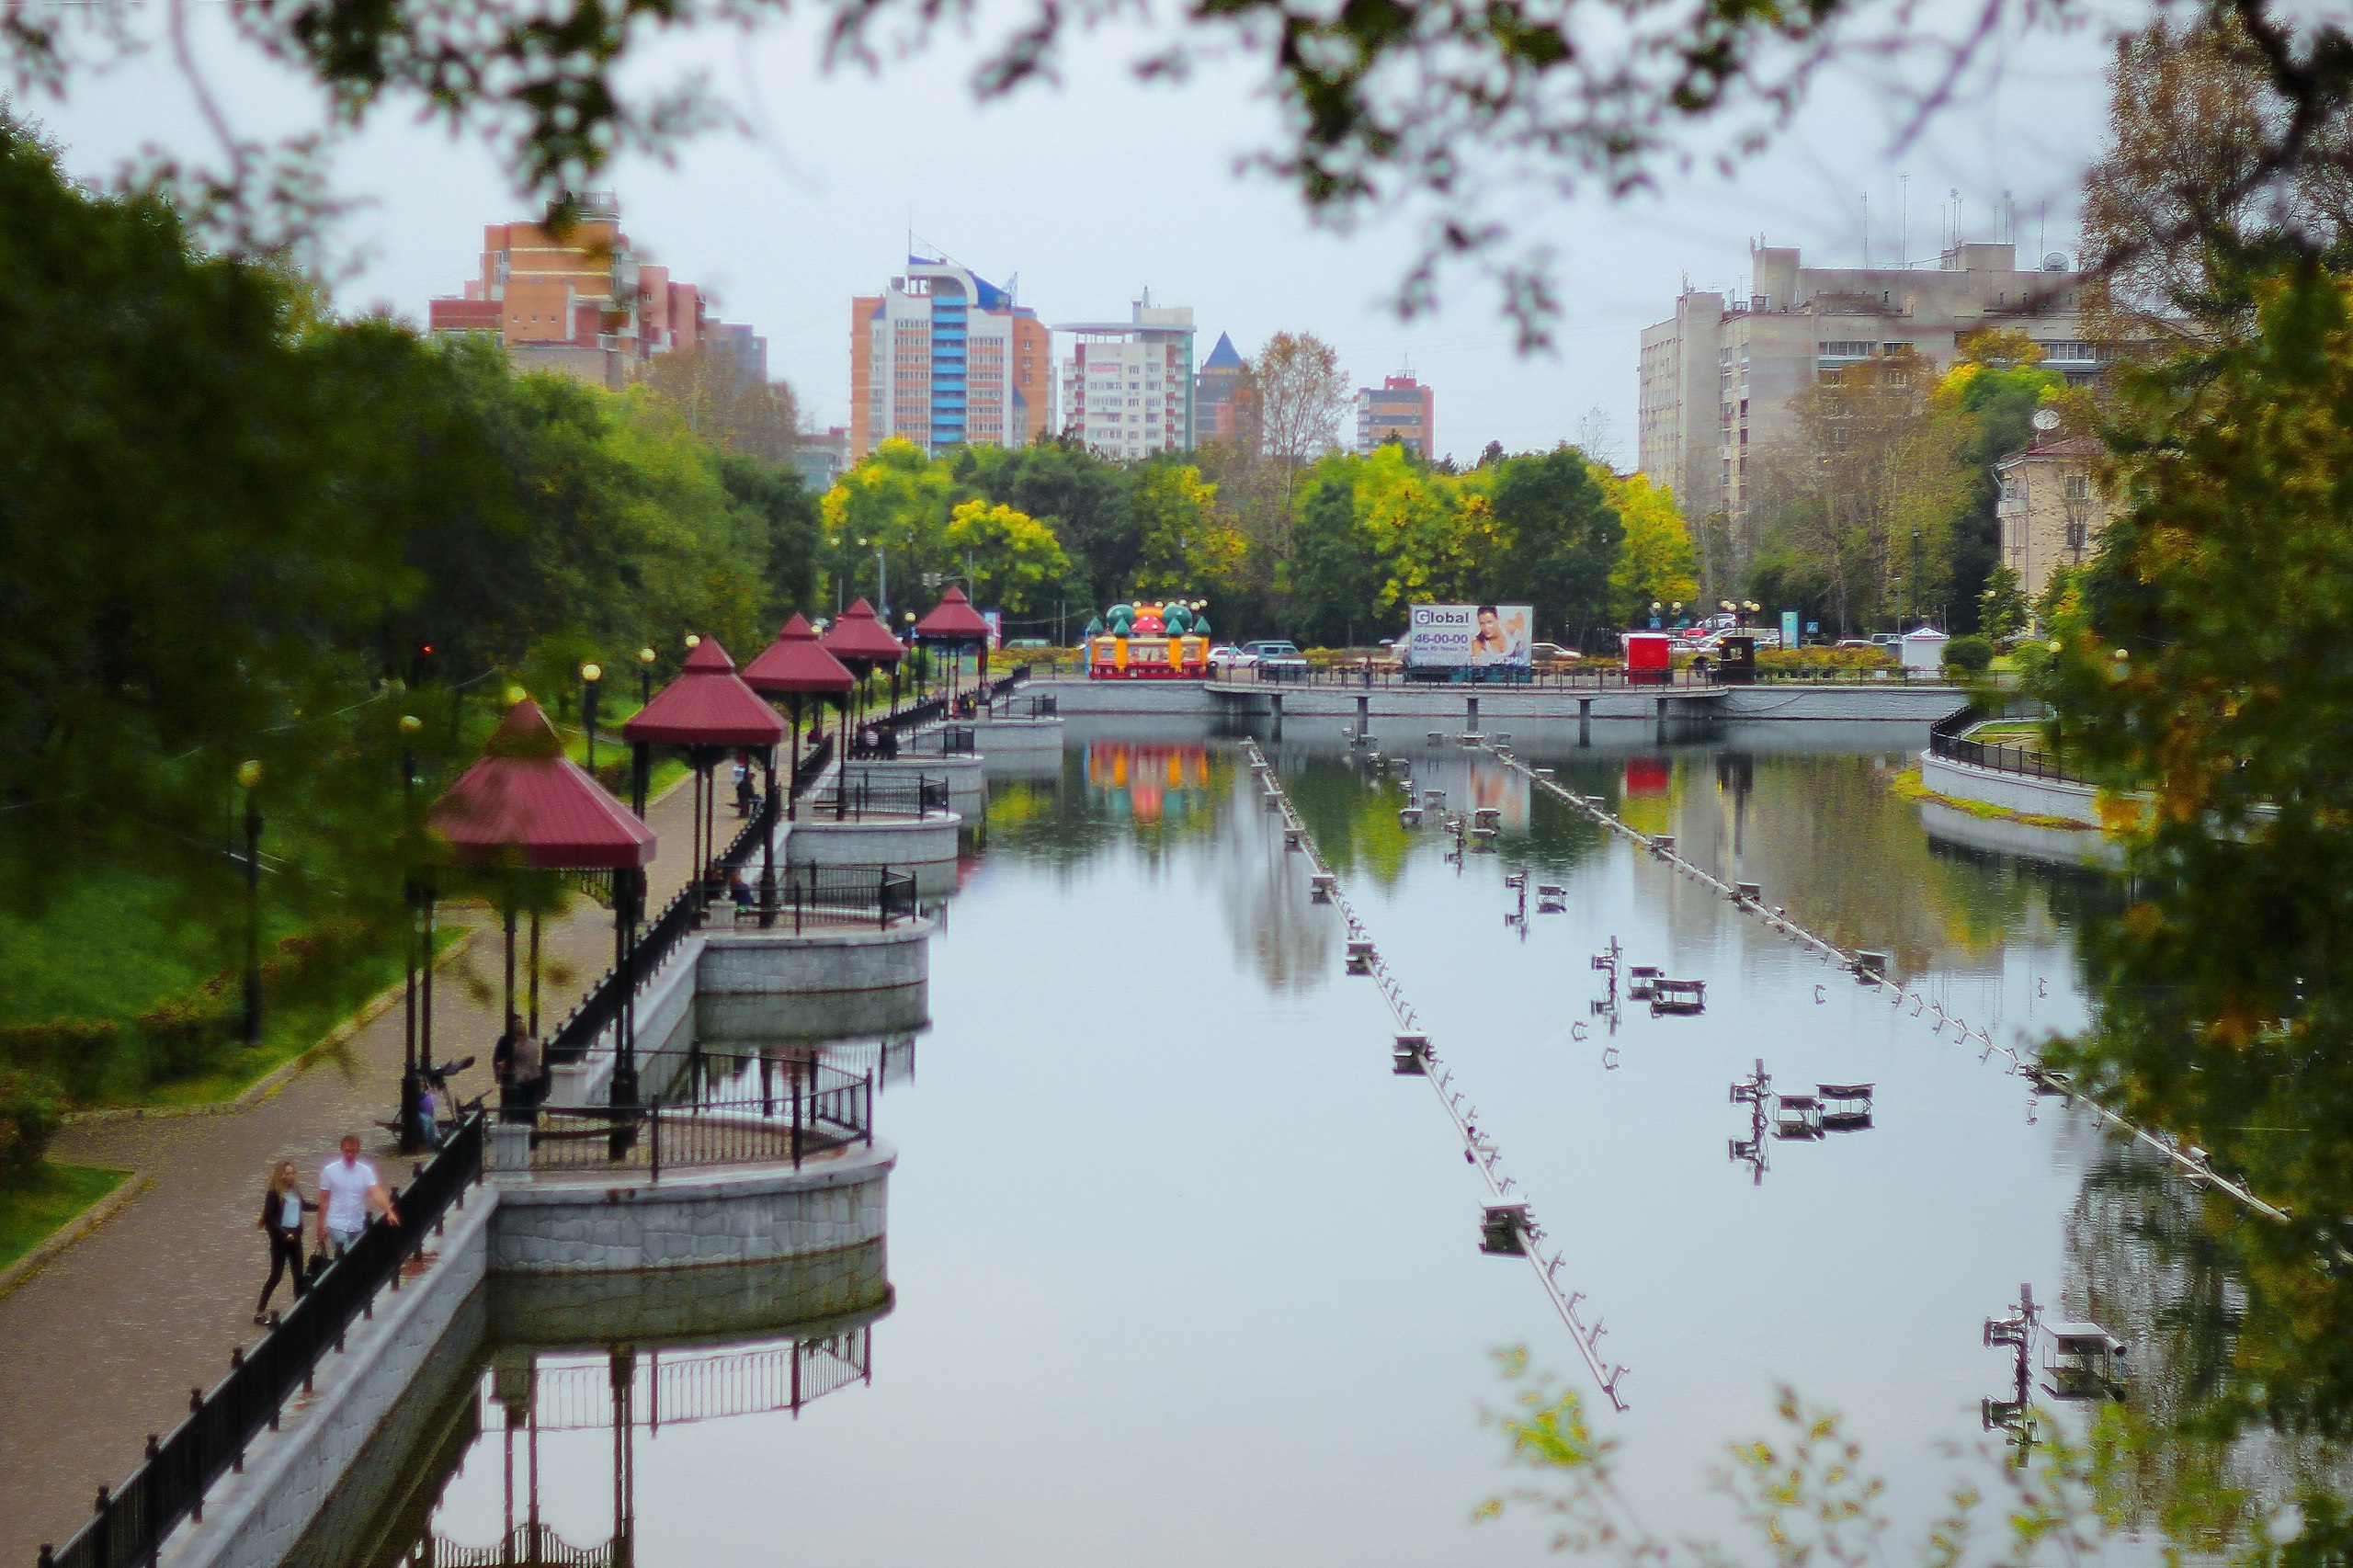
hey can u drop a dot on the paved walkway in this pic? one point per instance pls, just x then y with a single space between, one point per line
102 1346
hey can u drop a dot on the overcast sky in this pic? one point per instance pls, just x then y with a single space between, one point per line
1091 191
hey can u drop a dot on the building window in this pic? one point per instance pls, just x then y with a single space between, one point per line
2079 487
2075 533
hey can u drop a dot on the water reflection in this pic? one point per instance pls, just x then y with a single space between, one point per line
1165 1226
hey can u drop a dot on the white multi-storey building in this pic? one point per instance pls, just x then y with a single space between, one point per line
1127 386
1718 376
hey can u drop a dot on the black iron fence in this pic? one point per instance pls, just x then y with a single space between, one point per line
860 795
169 1484
812 1108
597 1010
813 763
1946 739
947 740
838 895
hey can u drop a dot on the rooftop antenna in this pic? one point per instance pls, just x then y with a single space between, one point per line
1903 208
1866 231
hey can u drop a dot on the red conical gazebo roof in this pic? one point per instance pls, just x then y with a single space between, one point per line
856 634
952 620
707 705
526 803
797 665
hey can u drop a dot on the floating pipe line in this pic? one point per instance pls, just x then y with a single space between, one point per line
1478 1148
2193 1163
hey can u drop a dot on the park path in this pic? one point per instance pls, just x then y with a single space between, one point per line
102 1346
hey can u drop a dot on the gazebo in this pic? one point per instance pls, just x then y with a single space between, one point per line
954 623
797 668
865 644
527 807
707 712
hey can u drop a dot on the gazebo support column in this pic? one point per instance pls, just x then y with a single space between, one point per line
767 839
629 900
535 974
641 775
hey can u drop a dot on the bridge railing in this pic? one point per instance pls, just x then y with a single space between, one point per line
168 1485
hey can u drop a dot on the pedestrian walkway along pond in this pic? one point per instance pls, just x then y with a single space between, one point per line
1184 1268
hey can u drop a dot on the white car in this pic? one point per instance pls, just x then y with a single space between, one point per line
1226 656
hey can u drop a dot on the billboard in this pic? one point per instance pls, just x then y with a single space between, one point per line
1477 636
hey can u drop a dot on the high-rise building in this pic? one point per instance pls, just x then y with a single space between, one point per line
1223 406
1399 409
822 458
583 304
1718 377
1127 386
945 359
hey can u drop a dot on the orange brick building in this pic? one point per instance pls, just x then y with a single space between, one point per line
584 305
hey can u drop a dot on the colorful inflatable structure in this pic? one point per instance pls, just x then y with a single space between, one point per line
1149 642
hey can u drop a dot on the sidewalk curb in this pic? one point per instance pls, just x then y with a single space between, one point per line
266 1086
72 1231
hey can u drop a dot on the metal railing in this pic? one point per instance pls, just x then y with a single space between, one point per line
888 794
596 1011
132 1519
814 1108
813 763
1945 739
838 895
947 740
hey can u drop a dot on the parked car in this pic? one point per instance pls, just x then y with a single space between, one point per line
1265 650
1226 656
1857 643
1544 654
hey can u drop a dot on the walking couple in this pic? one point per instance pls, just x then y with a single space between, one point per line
348 1190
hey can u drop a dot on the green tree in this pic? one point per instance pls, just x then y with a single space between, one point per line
1560 539
1017 560
1336 567
1995 388
1655 562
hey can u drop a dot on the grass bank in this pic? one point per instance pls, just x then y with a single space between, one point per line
45 1200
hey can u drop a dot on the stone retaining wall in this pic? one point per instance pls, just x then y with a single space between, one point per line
815 963
693 1218
1447 705
2011 792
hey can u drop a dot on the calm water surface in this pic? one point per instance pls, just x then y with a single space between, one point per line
1184 1273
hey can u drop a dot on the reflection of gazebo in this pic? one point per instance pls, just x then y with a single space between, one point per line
797 668
865 644
953 623
527 807
707 712
631 1391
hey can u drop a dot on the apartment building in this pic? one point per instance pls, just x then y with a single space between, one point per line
1224 407
1399 409
1127 386
1718 376
2051 507
945 359
583 304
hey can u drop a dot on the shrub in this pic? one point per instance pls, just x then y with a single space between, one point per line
28 1120
1969 654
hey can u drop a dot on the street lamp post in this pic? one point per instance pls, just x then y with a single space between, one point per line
412 1079
592 675
249 776
644 676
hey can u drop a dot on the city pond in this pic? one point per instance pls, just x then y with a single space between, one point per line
1183 1271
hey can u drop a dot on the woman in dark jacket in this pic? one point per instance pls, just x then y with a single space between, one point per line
282 1208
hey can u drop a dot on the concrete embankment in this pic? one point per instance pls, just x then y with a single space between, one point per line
561 1260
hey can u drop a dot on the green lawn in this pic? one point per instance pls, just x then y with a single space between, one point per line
286 1033
51 1196
2009 733
111 946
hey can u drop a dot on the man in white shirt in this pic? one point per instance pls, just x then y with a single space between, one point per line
347 1189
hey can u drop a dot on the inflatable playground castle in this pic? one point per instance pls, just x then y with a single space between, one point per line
1169 641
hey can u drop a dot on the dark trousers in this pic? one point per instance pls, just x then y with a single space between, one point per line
285 1258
